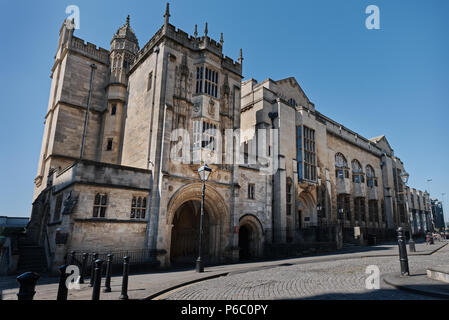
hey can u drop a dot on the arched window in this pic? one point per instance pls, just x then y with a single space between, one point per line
371 179
357 172
341 166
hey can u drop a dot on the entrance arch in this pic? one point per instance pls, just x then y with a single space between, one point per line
183 216
251 237
185 234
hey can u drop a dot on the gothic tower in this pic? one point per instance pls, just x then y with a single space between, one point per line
124 47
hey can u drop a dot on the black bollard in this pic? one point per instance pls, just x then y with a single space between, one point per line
403 253
92 270
62 288
97 280
72 257
83 267
27 283
124 295
108 274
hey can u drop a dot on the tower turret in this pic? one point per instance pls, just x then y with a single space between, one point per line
124 47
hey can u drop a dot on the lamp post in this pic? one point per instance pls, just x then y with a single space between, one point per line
411 244
318 210
204 173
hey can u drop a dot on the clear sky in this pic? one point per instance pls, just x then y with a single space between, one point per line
392 81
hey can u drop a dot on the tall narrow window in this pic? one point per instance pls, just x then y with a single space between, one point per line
207 81
113 110
58 206
309 154
251 188
196 134
298 151
150 81
109 145
138 208
209 134
359 209
100 205
199 79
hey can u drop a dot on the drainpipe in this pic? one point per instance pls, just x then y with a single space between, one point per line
86 119
272 116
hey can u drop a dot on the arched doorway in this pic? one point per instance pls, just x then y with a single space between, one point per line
185 234
244 242
186 202
251 237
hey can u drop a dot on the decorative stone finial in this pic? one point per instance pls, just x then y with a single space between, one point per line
205 31
221 39
241 56
127 20
167 13
196 31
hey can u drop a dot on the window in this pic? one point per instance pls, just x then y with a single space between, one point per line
344 207
150 81
341 166
292 102
251 188
289 196
357 172
125 64
298 151
209 131
373 211
204 134
58 206
109 145
113 110
206 81
359 209
309 154
100 205
138 208
371 179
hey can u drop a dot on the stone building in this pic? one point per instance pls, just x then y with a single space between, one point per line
438 214
111 174
420 211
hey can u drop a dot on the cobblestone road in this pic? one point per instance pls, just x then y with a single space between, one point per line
344 279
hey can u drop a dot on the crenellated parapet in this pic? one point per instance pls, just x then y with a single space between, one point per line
88 49
194 43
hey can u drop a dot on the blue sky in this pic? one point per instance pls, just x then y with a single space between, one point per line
392 81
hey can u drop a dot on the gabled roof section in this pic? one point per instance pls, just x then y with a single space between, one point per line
292 81
383 144
290 91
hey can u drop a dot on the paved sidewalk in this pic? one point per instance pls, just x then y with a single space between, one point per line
143 286
419 283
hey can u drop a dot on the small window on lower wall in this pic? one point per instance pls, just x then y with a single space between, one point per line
138 208
100 205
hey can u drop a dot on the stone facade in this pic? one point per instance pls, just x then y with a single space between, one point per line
111 175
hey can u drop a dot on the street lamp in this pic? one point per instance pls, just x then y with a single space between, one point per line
204 173
318 210
411 244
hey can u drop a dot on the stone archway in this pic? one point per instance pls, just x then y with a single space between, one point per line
183 212
251 237
307 213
